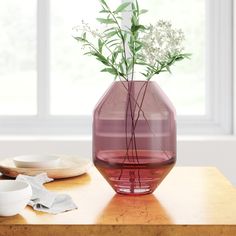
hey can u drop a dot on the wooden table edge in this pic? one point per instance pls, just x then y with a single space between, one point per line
115 230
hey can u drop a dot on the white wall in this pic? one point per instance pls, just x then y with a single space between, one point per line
209 151
192 151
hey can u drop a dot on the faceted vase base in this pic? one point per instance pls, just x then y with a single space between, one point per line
135 173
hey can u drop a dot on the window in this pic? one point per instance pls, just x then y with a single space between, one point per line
72 74
186 86
48 87
17 57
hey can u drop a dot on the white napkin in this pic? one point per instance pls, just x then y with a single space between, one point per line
44 200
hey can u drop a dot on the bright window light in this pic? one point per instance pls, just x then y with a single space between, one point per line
18 57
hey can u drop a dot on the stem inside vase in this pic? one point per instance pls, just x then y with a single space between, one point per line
134 137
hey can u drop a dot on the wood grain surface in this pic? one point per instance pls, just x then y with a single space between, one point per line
190 201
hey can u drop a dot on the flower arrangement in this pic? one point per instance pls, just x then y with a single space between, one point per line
141 150
152 49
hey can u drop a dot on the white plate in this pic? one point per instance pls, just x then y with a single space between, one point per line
36 161
68 167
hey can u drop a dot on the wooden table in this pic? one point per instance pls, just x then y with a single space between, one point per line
190 201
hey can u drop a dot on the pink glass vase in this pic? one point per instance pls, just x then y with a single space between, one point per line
134 136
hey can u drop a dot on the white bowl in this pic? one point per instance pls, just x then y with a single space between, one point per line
14 196
36 161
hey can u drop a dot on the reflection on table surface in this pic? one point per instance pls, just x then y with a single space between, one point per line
188 195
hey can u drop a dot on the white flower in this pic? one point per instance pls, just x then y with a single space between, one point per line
85 28
160 41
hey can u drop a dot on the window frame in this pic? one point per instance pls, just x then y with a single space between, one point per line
219 74
219 82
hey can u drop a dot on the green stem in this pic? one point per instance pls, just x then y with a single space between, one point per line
122 39
111 54
110 64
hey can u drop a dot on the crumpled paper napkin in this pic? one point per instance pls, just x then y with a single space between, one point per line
44 200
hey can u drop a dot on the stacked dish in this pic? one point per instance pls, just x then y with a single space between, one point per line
55 166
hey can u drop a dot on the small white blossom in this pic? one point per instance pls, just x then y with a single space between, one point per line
85 28
160 41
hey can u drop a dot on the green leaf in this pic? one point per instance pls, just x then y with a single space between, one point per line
109 29
137 6
104 70
87 53
104 11
133 7
112 33
119 17
110 70
141 63
143 74
114 56
130 66
125 36
139 42
114 44
122 7
100 58
143 11
87 44
100 45
161 63
138 48
119 49
135 28
105 62
106 21
186 55
122 75
113 40
168 69
80 39
179 58
103 2
134 20
121 68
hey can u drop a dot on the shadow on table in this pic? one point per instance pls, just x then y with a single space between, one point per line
17 219
69 183
134 210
